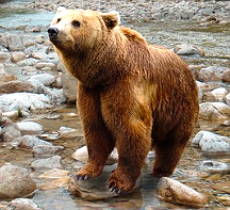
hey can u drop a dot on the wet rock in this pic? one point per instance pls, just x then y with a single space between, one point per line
10 131
81 154
54 174
227 99
68 133
12 114
214 111
212 73
52 162
69 86
4 57
31 141
187 49
22 204
173 191
27 127
12 41
45 79
24 101
217 94
15 182
45 66
46 150
16 87
212 144
212 166
92 189
17 56
7 77
224 199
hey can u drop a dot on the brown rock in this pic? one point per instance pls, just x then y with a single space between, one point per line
7 78
15 87
173 191
223 187
17 56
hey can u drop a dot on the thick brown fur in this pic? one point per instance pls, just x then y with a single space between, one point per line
132 96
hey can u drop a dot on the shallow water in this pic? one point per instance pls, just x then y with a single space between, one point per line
216 42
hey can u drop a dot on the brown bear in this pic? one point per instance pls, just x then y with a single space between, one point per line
132 95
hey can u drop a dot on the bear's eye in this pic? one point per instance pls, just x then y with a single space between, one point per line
58 20
76 23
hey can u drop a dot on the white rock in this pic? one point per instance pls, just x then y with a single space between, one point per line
27 127
17 56
219 93
23 204
214 111
212 166
81 154
187 49
212 144
24 102
31 141
4 57
49 163
173 191
67 133
227 99
2 69
11 115
46 150
45 79
42 65
10 132
15 182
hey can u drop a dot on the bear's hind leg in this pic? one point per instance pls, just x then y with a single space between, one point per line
98 139
169 151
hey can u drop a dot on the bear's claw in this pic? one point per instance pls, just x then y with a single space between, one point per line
80 177
114 189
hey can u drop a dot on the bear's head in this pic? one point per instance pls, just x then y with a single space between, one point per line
78 31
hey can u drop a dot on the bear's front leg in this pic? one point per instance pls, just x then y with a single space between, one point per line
98 139
130 123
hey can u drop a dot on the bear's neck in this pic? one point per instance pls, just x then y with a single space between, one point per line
100 66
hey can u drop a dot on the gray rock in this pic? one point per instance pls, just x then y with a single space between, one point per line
212 166
45 65
24 101
22 204
12 41
49 163
27 62
15 182
69 86
173 191
45 79
212 144
227 99
10 131
46 150
214 111
27 127
187 49
31 141
212 73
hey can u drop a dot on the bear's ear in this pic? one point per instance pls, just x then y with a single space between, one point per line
111 19
60 9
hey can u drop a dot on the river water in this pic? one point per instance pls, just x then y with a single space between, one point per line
214 39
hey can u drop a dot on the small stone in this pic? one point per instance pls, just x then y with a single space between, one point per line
10 132
68 133
23 204
222 186
7 77
15 182
226 76
31 141
54 174
27 127
55 183
186 49
219 94
17 56
81 154
12 114
173 191
45 79
43 65
212 166
224 199
46 150
49 163
227 99
212 144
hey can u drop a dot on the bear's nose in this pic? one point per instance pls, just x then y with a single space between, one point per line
53 32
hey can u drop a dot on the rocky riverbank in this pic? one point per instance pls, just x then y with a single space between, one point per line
41 140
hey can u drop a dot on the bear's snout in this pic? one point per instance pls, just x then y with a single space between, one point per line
53 32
